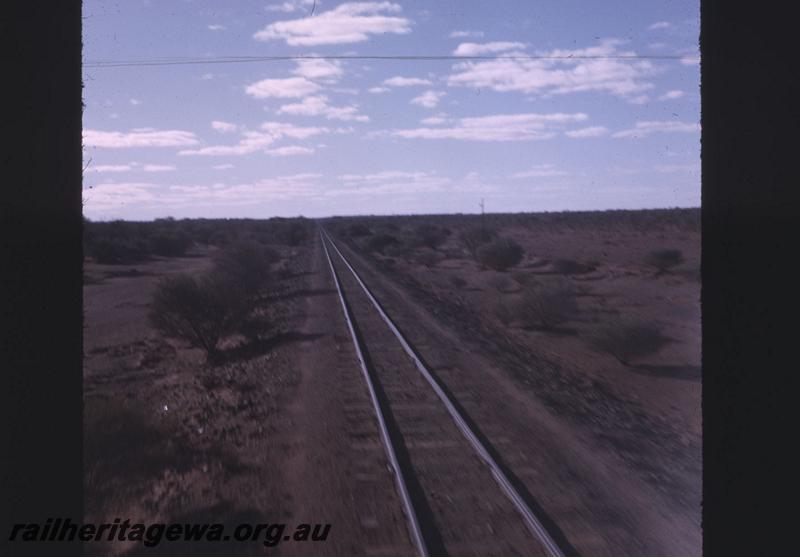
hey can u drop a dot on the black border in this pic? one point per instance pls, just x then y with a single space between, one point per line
749 167
41 272
749 118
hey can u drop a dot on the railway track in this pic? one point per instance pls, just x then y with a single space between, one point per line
457 498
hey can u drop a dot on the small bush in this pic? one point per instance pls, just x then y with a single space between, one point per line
294 233
664 259
219 238
429 236
546 304
199 310
170 244
379 242
125 445
247 263
473 238
500 254
628 339
110 250
358 230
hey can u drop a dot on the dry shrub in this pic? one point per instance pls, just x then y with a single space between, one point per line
546 304
427 257
125 445
429 235
170 243
473 238
664 259
379 242
112 250
358 230
499 254
248 264
628 339
201 310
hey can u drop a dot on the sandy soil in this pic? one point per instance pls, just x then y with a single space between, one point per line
284 433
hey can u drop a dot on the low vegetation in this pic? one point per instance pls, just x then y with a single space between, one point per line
628 339
474 237
123 441
126 242
499 254
429 236
546 304
205 309
201 310
379 242
664 260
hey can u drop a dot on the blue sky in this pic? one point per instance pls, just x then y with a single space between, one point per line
573 105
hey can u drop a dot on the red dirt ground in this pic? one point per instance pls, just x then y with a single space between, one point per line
284 432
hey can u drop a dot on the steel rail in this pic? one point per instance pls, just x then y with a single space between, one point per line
411 515
533 523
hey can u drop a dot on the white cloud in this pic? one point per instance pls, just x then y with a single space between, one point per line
109 198
391 181
499 127
539 171
254 141
399 81
318 106
593 131
674 94
216 27
428 99
660 25
289 150
690 60
475 49
224 127
280 129
135 102
465 34
290 87
109 168
643 129
207 76
318 68
433 121
158 168
223 166
138 138
351 22
377 90
567 74
287 7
